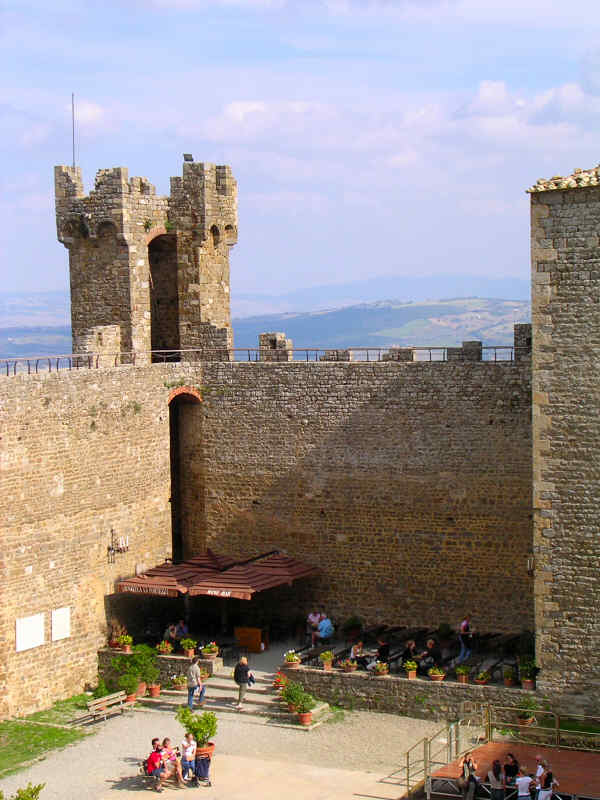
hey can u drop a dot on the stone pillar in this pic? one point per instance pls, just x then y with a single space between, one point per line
275 347
522 342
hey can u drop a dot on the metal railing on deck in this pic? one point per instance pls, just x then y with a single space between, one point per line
73 361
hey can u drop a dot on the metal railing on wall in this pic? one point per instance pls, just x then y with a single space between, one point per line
72 361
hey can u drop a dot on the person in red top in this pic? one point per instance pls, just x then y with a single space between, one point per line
155 764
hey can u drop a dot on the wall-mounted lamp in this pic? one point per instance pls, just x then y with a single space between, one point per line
530 566
118 544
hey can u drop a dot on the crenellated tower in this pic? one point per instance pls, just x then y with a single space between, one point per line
149 272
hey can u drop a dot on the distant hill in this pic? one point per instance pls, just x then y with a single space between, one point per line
380 324
385 323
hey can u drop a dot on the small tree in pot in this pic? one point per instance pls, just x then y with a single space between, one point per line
411 669
291 694
462 673
203 728
128 682
327 660
189 647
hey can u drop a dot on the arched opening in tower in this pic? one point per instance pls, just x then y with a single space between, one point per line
164 300
187 474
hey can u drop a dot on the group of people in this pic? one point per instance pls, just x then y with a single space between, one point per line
430 656
511 774
183 763
175 632
367 659
319 627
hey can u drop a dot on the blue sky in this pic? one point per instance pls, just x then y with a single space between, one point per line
368 137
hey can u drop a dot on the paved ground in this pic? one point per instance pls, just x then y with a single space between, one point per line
253 761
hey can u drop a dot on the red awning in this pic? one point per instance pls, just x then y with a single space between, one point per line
218 575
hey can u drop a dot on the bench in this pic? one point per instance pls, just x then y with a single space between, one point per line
104 707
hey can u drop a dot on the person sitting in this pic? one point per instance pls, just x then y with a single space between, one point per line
181 630
188 757
172 762
430 657
324 630
155 764
170 635
410 652
312 622
357 654
382 655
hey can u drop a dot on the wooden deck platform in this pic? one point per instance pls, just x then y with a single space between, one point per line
577 771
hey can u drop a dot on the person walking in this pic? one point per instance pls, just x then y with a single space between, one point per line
465 637
194 684
241 674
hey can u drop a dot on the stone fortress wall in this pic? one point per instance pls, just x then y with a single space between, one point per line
565 230
409 483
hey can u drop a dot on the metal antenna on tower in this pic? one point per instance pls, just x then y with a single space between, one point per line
73 124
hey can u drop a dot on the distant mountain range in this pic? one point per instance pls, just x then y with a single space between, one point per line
378 324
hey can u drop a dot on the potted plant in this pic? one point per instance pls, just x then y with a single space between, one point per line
528 669
280 681
203 728
128 682
164 647
381 669
327 660
291 694
348 665
483 677
508 675
411 669
462 673
179 682
436 673
291 659
125 641
304 707
210 650
189 647
525 712
352 627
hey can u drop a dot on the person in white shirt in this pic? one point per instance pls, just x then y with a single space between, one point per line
539 771
523 783
188 756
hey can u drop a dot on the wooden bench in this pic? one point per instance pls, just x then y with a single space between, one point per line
104 707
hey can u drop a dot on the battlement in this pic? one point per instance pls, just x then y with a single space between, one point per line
147 271
579 178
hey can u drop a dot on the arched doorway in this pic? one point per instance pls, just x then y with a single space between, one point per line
164 299
187 473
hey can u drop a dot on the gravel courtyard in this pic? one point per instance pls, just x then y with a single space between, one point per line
253 760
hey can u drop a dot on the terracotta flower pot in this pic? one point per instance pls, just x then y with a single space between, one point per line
209 655
131 698
411 674
126 648
350 667
291 664
437 677
154 690
327 666
462 678
291 707
189 653
509 682
305 717
480 682
528 683
207 750
141 689
113 643
385 674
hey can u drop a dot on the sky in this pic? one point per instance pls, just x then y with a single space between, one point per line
368 137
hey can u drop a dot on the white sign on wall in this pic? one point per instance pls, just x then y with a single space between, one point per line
30 632
61 623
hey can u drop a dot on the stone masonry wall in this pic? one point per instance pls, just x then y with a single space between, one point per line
423 699
566 419
407 483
